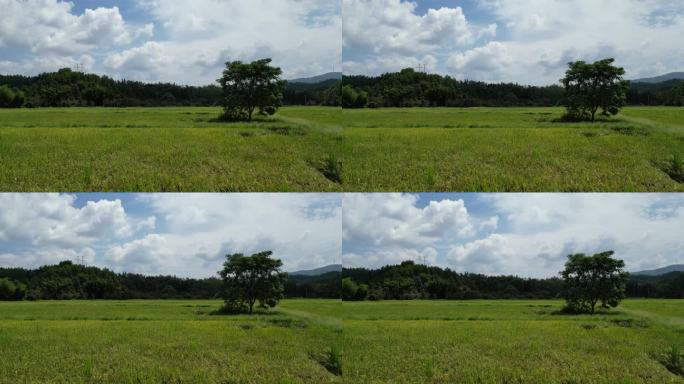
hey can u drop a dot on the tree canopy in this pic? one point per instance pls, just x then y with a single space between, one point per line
66 281
590 280
251 86
67 88
589 87
251 279
11 98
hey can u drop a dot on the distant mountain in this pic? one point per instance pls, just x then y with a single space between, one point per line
661 271
319 271
319 78
660 79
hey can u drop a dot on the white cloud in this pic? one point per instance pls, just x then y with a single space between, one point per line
53 220
302 36
392 26
519 234
481 63
394 219
527 41
303 230
49 26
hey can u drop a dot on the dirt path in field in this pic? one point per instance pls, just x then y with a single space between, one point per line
332 322
668 321
663 127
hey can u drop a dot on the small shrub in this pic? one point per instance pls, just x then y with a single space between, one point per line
332 361
673 361
674 167
331 168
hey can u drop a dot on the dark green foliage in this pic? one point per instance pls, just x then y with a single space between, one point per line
667 286
352 98
72 281
251 86
409 88
416 281
68 280
326 285
669 92
66 88
590 87
330 360
10 98
673 360
331 168
674 167
324 93
10 290
590 280
251 279
352 291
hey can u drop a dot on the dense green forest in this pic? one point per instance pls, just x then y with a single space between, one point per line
409 280
409 88
67 88
67 280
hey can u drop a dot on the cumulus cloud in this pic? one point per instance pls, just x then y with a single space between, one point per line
170 41
520 234
389 35
527 41
49 26
387 228
181 234
302 37
53 220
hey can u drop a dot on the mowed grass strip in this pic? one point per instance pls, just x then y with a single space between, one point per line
165 149
506 342
509 149
171 345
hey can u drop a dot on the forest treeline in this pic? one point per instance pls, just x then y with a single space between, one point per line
67 88
409 280
66 280
410 88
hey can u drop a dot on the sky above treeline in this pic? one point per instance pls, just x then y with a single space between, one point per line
186 42
525 41
189 234
185 234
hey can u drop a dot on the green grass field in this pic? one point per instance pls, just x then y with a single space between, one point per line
165 149
165 342
508 342
509 149
420 149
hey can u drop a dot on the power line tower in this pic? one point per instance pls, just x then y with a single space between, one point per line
79 67
422 68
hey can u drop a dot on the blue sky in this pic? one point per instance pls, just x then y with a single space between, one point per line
167 40
189 234
526 41
180 234
522 234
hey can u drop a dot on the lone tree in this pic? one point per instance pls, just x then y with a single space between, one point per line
593 279
250 86
589 87
251 279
